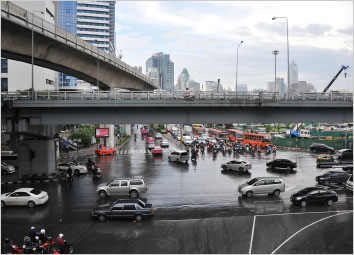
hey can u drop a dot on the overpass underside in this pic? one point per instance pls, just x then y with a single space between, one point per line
160 111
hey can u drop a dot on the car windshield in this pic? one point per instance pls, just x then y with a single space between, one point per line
305 191
184 154
254 180
35 191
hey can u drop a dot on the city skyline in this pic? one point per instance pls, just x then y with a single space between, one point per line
203 36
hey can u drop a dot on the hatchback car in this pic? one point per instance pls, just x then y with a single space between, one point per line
123 208
7 169
320 147
236 165
179 156
24 196
262 185
164 143
103 151
332 177
282 163
157 150
314 195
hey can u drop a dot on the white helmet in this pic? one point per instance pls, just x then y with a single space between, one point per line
37 238
43 231
61 235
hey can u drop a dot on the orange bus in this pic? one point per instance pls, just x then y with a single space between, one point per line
235 135
218 134
259 139
197 131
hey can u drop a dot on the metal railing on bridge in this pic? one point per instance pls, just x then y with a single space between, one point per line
177 95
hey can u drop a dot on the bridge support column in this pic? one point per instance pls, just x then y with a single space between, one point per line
108 141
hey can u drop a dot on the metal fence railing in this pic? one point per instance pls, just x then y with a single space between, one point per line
11 11
177 95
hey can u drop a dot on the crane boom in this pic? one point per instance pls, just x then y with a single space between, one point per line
335 77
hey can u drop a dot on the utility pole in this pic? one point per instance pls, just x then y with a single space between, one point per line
275 53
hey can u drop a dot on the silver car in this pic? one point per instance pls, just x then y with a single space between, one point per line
7 169
179 156
164 143
262 185
123 186
237 165
24 196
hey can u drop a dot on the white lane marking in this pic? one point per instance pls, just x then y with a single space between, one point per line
254 223
125 151
120 151
313 223
277 214
290 188
81 210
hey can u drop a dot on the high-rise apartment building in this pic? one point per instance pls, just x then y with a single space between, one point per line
93 21
280 86
16 75
293 72
161 69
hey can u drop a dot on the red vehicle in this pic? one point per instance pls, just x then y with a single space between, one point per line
235 135
157 150
149 139
144 132
169 130
197 131
105 151
259 139
218 134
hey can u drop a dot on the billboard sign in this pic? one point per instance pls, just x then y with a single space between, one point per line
101 132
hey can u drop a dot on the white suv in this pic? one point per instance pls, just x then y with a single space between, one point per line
123 186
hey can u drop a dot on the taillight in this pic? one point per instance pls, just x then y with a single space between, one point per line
150 211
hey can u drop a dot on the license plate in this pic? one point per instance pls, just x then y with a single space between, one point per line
23 246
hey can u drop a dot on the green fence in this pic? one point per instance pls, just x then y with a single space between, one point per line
306 143
329 133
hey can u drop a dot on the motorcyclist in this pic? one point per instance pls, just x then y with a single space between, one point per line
60 243
32 234
7 247
134 137
69 172
42 236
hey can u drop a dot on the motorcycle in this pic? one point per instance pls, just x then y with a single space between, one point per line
69 178
97 173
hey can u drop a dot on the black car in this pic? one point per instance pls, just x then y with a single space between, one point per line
282 163
123 208
332 177
320 147
314 195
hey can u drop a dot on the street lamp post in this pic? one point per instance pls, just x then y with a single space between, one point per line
287 39
98 64
237 64
275 53
32 58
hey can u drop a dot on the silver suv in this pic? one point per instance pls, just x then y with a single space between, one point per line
131 186
262 185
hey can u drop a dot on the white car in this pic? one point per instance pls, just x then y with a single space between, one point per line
179 137
77 169
187 140
212 140
206 137
349 183
24 196
237 165
164 143
158 136
179 156
7 169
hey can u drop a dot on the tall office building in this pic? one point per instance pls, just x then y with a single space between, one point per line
16 75
279 88
182 80
293 72
213 86
193 85
93 21
161 69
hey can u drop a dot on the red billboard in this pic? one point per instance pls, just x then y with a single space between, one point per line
101 132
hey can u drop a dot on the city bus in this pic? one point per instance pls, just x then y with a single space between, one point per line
260 139
235 135
218 134
197 131
197 125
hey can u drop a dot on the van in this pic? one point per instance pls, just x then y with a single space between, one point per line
179 156
305 133
262 185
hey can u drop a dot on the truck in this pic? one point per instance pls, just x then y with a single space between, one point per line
187 130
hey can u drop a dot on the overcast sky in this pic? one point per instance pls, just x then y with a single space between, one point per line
202 36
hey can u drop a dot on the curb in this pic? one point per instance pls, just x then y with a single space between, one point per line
123 143
31 181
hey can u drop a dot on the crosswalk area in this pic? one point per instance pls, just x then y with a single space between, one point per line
142 151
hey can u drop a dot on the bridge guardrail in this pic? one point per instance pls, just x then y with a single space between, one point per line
177 95
40 25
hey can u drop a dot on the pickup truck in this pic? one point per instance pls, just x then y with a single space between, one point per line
330 161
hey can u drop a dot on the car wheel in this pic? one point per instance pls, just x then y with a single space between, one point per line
303 203
134 194
276 193
138 217
102 193
3 204
249 193
326 183
76 172
329 151
241 169
169 159
224 168
114 153
330 202
31 204
313 150
101 218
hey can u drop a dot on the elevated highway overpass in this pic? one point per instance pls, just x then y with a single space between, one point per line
56 49
54 107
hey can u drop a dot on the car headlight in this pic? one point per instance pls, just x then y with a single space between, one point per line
41 197
297 198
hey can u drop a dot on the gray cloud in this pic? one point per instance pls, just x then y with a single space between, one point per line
348 31
311 29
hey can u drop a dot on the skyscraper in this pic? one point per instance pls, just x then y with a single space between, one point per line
161 69
93 21
182 80
293 72
280 86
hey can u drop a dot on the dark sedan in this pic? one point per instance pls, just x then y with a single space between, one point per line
332 177
282 163
320 147
314 195
123 208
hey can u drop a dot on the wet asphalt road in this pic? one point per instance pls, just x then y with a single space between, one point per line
197 209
